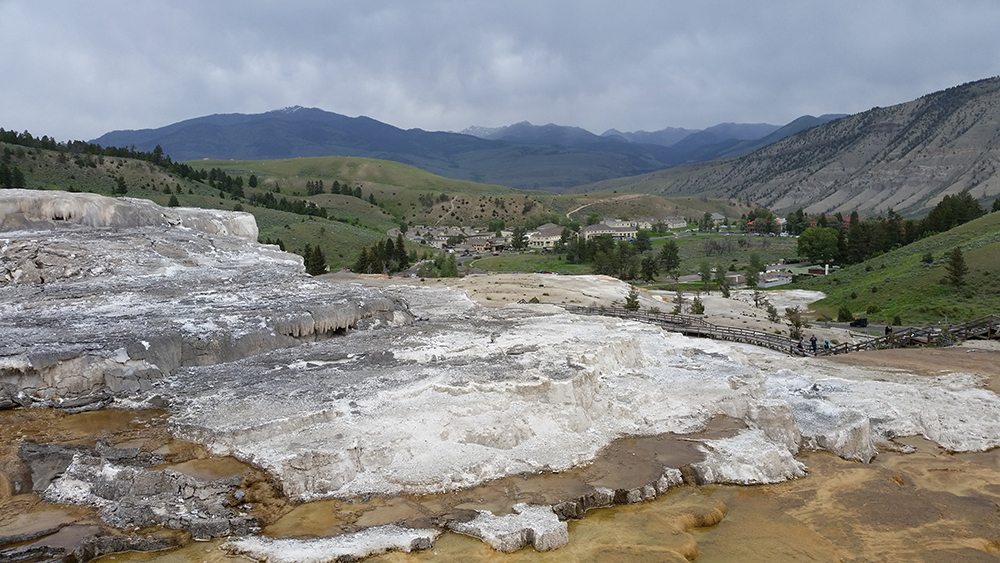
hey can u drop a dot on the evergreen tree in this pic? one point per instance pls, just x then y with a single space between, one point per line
362 263
402 260
956 268
670 258
173 202
253 181
642 241
697 306
519 240
17 178
996 204
649 267
315 261
5 176
632 299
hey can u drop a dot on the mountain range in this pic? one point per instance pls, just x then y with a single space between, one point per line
905 157
520 155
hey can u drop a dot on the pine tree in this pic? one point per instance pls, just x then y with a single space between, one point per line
316 262
173 202
17 178
697 306
402 259
632 299
363 261
253 181
670 258
956 268
5 178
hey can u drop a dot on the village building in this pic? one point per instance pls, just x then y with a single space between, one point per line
545 236
617 233
636 224
774 279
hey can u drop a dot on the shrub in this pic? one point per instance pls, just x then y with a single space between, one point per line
854 295
534 300
697 307
844 315
872 309
896 320
927 258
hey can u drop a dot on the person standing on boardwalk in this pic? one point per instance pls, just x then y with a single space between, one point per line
812 341
888 330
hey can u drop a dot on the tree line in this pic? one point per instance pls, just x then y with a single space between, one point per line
833 239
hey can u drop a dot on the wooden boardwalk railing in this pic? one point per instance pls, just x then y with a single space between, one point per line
987 327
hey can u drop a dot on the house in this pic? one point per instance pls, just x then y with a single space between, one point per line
774 279
645 224
735 278
480 244
673 222
718 219
617 233
545 236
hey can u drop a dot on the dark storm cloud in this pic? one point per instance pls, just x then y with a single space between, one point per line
77 69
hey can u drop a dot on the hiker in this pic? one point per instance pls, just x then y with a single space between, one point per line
888 330
826 344
812 341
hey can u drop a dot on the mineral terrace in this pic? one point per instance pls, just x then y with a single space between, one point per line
339 390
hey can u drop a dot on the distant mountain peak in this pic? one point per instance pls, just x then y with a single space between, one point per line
288 109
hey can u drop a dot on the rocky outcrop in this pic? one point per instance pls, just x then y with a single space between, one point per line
34 210
117 294
749 458
92 547
129 493
346 547
535 525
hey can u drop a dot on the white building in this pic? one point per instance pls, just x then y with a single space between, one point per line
617 233
545 237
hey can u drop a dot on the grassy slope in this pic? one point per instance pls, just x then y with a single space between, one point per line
692 250
899 283
397 188
530 263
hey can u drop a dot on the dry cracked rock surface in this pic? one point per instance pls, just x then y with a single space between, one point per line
440 394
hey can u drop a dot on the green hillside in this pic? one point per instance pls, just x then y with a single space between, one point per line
901 283
402 193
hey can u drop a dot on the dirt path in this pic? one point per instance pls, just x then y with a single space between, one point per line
605 200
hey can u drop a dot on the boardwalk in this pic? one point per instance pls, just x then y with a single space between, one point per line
983 328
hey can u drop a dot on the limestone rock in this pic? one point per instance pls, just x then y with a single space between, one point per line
131 496
535 525
347 547
101 297
749 458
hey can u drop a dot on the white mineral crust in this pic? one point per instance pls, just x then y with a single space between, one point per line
535 525
346 547
469 394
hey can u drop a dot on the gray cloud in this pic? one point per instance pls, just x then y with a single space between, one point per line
77 69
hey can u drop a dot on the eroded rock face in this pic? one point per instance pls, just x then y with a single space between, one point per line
90 312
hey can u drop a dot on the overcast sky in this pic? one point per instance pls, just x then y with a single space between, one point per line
75 69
